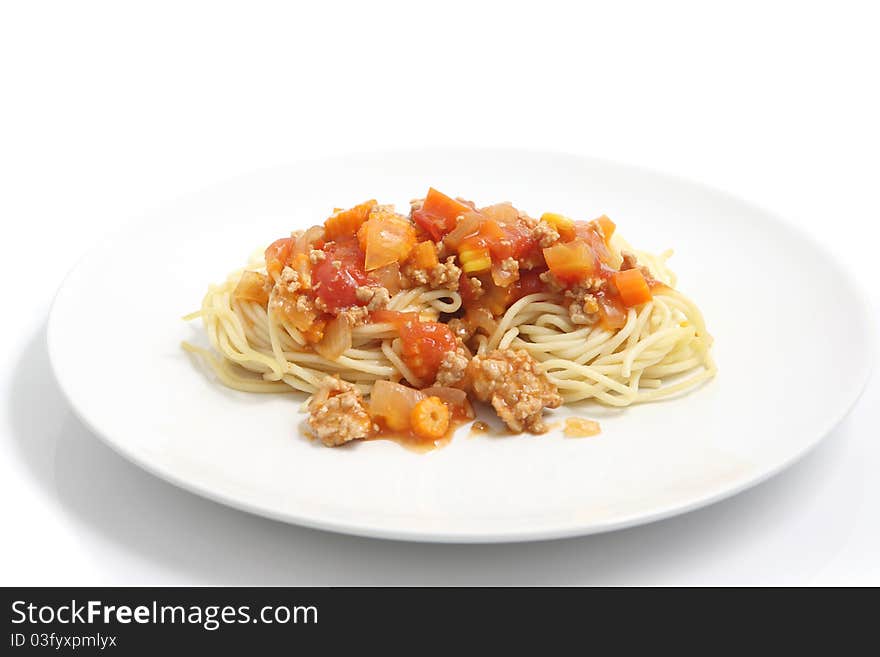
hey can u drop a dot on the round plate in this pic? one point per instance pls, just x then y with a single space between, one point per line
792 343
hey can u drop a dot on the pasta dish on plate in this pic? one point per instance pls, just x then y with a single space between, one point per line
395 323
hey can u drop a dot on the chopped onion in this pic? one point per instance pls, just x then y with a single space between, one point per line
336 340
388 277
468 225
393 403
452 396
304 242
503 213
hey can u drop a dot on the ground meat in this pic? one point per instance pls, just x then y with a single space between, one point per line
445 275
375 298
338 413
290 279
453 368
527 221
516 387
545 234
304 304
442 275
476 287
584 312
584 308
414 276
356 315
509 269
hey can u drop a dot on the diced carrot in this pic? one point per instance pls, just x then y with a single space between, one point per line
439 205
632 286
439 214
252 287
345 223
424 255
571 261
430 418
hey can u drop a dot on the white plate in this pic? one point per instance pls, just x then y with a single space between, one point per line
793 347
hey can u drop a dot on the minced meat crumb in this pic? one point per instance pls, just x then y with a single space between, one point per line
445 274
374 297
356 315
290 279
338 413
476 287
453 368
513 382
545 234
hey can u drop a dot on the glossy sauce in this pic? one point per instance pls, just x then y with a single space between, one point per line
578 427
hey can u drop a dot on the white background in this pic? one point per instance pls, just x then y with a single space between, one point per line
109 109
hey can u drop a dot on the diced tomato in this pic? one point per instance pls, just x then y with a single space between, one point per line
529 283
277 256
423 346
439 214
572 261
435 227
338 287
508 240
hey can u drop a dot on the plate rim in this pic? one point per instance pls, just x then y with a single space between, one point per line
561 530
